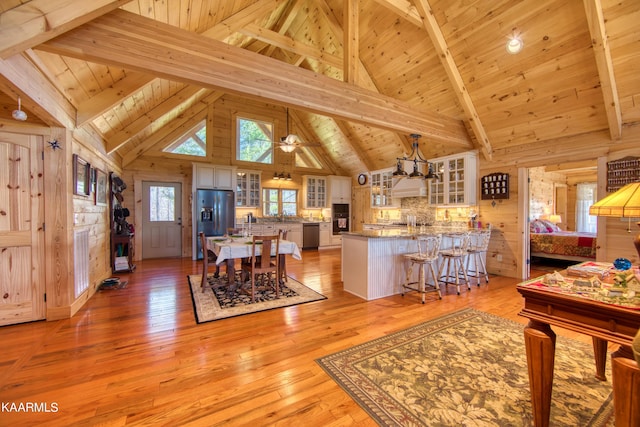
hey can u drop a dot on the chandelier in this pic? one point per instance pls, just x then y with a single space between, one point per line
416 159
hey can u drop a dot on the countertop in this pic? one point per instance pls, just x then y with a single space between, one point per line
287 220
405 234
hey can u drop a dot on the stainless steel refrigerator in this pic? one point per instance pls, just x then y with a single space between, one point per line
215 212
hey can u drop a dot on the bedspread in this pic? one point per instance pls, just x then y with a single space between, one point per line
564 243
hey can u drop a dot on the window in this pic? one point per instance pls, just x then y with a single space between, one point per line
161 203
279 202
289 202
586 196
254 141
192 143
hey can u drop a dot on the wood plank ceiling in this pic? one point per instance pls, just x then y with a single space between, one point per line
438 67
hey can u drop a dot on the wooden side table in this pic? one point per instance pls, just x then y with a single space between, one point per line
604 323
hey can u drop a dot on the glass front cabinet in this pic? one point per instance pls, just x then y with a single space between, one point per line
458 178
315 192
248 189
381 184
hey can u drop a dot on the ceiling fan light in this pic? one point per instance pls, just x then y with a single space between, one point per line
287 148
291 138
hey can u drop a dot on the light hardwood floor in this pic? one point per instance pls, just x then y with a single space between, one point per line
136 356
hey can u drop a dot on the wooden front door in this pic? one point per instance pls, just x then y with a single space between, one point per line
22 281
162 219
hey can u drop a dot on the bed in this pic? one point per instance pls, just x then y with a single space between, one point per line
550 242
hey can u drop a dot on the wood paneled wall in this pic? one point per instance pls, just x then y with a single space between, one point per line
505 254
157 165
96 218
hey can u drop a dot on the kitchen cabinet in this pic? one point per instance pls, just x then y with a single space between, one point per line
458 180
381 183
248 188
206 176
340 189
326 231
264 229
314 190
295 234
294 231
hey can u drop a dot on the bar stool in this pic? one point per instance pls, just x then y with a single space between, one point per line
453 252
478 245
428 248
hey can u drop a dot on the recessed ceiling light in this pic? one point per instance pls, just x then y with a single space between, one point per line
514 45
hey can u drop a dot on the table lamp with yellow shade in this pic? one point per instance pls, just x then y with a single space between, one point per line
624 203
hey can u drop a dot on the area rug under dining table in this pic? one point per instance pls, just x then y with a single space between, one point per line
468 368
213 305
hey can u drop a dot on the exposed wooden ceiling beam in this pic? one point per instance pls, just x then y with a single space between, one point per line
432 27
350 139
121 138
139 43
351 41
289 14
37 21
134 81
174 129
583 165
602 53
111 96
286 43
241 19
404 9
36 91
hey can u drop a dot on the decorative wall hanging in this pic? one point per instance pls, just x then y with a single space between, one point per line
55 145
495 186
622 172
101 187
81 176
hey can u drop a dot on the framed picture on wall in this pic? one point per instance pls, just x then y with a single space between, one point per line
81 176
101 187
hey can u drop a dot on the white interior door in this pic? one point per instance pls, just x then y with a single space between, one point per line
162 219
22 282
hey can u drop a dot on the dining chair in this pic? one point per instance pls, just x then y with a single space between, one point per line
283 260
263 270
427 255
208 257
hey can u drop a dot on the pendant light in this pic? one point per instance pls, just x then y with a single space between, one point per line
417 159
19 114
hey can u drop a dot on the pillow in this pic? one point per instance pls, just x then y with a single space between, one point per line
551 227
536 226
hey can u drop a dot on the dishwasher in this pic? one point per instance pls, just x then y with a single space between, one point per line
310 236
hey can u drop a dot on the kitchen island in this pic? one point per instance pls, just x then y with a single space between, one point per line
373 265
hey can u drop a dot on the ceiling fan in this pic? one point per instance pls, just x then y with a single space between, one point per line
292 141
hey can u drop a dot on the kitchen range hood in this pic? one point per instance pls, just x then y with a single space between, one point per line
408 187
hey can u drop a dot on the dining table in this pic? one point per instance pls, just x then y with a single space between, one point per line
228 249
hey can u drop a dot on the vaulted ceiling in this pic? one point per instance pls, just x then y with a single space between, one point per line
358 75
